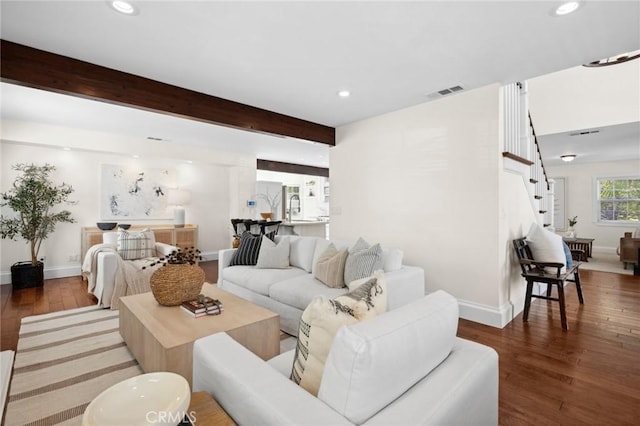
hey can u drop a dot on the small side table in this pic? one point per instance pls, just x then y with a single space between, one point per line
585 244
205 411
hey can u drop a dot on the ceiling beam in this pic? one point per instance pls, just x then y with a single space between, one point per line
277 166
26 66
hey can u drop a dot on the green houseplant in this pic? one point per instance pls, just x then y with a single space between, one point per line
32 197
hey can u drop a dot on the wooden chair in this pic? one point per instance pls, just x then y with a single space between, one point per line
543 272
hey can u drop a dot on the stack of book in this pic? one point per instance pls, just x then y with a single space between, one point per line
202 306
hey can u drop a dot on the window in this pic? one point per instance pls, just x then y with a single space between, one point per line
618 199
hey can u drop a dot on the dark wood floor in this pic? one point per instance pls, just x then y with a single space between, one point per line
587 375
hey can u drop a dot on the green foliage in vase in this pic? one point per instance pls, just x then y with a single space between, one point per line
33 196
573 221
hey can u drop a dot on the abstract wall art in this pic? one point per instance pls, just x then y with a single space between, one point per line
134 192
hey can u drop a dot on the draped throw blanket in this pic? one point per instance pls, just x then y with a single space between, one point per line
132 276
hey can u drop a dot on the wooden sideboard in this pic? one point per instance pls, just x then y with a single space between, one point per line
169 234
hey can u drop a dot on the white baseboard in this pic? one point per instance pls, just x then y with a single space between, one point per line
488 315
604 250
75 270
210 255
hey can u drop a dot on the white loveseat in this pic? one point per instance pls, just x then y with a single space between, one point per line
288 291
404 367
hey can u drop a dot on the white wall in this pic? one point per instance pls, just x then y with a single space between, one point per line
576 98
220 184
580 190
516 217
426 179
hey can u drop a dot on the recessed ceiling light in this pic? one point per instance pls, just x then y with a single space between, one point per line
344 93
124 7
567 8
135 156
66 148
568 157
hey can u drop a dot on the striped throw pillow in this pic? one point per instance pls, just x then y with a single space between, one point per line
248 250
362 261
136 245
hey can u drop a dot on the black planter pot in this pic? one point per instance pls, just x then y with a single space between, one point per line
25 275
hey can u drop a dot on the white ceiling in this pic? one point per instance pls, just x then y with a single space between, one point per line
293 57
608 143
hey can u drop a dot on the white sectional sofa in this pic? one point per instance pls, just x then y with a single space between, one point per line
404 367
289 291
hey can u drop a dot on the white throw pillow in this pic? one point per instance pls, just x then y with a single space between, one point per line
301 252
392 259
372 363
134 245
546 246
272 255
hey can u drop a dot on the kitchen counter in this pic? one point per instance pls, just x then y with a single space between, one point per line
306 228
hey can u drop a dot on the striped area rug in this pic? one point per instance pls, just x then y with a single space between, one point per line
64 360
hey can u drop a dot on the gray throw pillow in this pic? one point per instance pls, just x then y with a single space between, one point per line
362 261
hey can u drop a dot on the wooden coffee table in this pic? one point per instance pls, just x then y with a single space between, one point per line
161 337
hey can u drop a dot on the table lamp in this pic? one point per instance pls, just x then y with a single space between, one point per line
178 198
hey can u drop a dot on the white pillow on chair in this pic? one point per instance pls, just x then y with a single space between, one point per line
546 246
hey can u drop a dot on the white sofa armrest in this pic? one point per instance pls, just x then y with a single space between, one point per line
107 267
224 260
404 285
164 249
250 390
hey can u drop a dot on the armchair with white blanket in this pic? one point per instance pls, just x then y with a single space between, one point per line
120 268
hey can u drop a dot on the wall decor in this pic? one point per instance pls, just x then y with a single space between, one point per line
135 192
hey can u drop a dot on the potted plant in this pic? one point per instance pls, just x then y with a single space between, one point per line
32 197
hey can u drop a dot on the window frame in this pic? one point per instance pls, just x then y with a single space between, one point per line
597 201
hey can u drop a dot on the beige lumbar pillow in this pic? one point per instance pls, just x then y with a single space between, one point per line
320 322
330 266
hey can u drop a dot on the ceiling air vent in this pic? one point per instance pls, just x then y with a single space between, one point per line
445 92
585 132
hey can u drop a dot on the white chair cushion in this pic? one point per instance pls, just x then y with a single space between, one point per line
546 246
362 374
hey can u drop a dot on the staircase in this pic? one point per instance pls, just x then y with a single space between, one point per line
522 152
